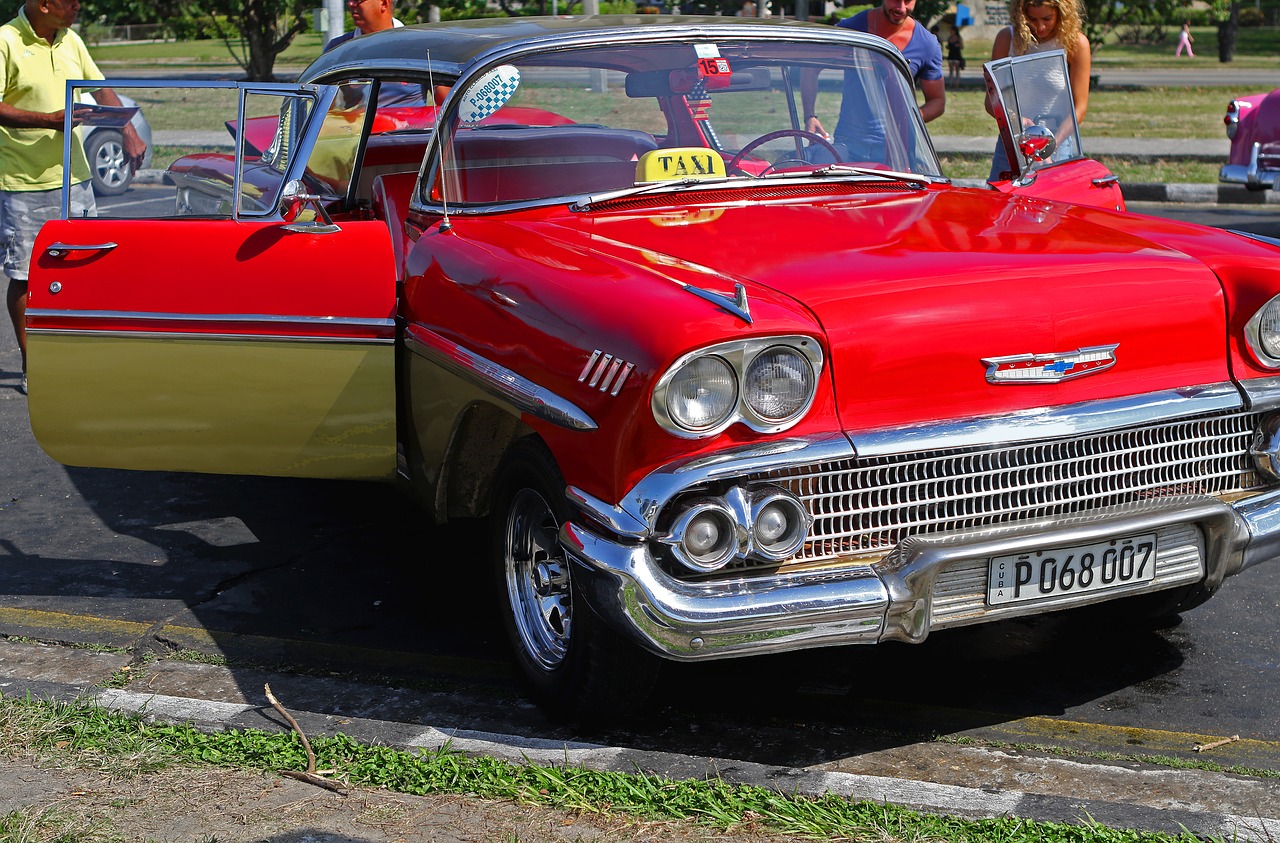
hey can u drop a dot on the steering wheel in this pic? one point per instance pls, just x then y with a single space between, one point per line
771 136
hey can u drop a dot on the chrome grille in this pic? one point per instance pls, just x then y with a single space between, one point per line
867 506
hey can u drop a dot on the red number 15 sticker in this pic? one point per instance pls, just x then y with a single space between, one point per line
713 66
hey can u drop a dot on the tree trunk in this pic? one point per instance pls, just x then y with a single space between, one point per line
1227 35
262 58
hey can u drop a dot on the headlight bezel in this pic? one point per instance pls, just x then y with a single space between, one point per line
740 355
1254 338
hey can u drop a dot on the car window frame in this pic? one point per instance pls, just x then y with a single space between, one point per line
322 97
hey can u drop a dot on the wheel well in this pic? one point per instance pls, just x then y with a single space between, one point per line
481 437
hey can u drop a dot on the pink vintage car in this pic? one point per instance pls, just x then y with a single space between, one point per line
1253 125
721 386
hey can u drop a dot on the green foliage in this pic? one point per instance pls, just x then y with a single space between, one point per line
930 12
188 27
113 12
259 29
1249 16
1197 15
1134 23
847 12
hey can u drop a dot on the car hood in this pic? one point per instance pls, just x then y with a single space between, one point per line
918 292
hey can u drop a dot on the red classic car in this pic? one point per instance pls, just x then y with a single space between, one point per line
1253 125
722 386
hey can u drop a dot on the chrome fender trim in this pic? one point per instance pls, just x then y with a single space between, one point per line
499 381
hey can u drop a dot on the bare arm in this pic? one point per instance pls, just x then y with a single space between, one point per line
17 118
134 147
1079 66
999 50
809 101
935 98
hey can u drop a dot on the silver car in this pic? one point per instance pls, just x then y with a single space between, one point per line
104 147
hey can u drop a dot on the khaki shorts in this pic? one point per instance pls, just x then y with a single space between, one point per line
23 212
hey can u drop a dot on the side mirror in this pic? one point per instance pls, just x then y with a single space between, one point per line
293 200
1037 143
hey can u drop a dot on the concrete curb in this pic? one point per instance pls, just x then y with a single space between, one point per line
1178 812
1209 194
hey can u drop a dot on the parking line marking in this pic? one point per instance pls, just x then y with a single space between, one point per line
38 619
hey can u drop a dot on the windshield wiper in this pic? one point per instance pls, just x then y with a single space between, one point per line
870 172
675 186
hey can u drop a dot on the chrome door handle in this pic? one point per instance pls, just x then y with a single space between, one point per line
1106 181
61 250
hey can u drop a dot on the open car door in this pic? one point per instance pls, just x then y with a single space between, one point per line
1038 133
246 333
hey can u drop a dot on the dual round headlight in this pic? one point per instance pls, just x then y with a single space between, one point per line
767 384
765 523
1262 333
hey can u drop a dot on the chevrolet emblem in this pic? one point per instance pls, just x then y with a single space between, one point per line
1050 368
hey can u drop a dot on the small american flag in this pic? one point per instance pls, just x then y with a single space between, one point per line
699 104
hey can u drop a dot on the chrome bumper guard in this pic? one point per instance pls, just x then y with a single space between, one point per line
901 596
1249 174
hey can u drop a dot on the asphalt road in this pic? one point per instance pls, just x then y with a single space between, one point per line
369 611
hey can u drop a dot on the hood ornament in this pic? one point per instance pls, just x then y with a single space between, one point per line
1050 368
738 305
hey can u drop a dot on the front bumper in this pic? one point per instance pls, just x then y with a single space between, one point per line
937 577
1252 174
925 584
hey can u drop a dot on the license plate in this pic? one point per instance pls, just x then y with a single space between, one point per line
1041 574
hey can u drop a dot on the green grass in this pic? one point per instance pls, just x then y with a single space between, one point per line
113 58
89 736
1130 171
1138 113
1256 47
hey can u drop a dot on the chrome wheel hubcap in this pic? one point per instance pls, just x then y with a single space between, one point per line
537 579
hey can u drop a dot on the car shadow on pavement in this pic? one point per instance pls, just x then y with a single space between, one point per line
375 612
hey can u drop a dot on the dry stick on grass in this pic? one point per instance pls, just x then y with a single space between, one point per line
1204 747
310 775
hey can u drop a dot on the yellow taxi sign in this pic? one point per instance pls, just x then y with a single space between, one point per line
681 162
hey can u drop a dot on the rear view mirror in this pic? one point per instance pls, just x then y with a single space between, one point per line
663 83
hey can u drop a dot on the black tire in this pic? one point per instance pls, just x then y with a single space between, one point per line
107 164
575 666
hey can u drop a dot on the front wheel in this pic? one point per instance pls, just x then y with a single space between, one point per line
574 664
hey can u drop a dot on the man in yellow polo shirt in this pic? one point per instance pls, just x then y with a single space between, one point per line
38 54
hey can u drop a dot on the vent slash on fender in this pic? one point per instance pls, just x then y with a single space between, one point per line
605 372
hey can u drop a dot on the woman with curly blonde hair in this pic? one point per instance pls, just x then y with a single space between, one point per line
1039 25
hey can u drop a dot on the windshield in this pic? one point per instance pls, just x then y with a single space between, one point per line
1035 91
606 118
